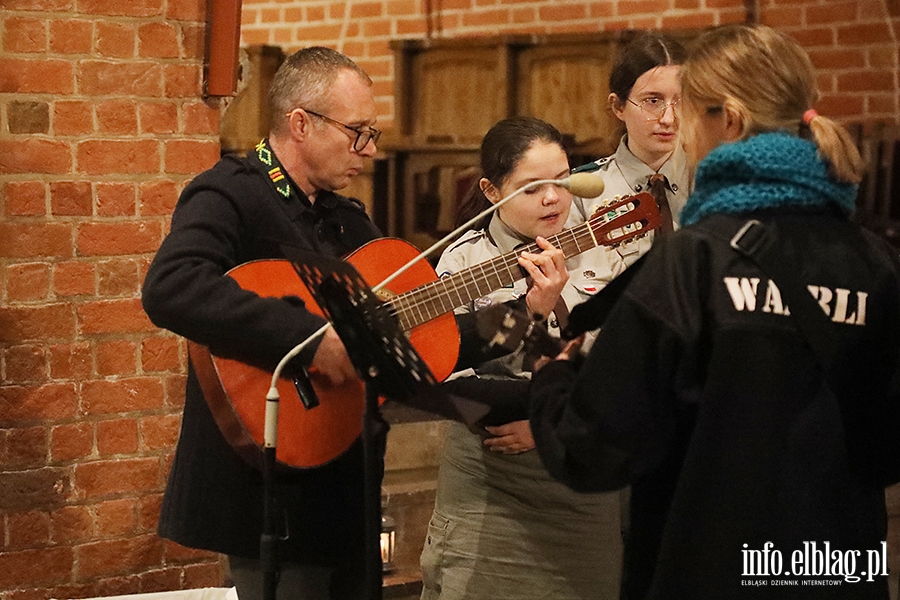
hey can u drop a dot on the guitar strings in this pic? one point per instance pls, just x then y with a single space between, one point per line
424 304
492 276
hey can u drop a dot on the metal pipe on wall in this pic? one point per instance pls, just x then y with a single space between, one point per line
752 12
222 40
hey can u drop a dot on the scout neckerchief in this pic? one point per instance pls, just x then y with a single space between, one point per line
657 184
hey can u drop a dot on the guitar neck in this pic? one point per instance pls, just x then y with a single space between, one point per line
434 299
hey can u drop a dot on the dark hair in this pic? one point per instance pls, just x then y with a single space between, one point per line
646 51
502 148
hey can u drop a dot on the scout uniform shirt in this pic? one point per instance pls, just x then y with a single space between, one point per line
503 528
587 271
624 174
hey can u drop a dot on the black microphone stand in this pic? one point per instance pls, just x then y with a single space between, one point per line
374 436
268 541
389 366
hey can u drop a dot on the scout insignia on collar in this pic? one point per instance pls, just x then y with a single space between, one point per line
276 175
268 158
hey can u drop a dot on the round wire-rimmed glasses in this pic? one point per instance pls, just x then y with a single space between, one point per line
655 108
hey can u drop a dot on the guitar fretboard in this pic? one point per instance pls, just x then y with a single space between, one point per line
434 299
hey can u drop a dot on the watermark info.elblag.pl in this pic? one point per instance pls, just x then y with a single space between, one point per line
815 564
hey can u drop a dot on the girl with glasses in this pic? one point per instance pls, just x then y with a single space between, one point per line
645 97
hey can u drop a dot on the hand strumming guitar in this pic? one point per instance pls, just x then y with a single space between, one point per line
331 360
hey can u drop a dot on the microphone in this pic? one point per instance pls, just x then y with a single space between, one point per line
584 185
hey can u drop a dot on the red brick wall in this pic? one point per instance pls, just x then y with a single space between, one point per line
852 42
102 125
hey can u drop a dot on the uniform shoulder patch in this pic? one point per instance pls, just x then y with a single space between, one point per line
591 166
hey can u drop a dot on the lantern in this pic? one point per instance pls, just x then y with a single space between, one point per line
388 541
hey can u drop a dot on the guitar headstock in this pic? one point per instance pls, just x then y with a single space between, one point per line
624 219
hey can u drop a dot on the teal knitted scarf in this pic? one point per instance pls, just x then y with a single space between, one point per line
768 170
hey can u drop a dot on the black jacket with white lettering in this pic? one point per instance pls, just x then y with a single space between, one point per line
701 393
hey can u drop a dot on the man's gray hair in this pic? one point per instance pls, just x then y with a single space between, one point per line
304 80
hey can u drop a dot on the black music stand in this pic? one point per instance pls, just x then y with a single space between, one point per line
390 367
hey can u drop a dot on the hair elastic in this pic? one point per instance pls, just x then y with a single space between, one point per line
809 115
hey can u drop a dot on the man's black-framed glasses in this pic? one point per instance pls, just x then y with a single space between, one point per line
363 136
654 108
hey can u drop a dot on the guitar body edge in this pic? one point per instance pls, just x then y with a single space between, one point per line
236 392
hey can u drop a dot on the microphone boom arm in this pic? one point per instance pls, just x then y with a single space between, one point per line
584 185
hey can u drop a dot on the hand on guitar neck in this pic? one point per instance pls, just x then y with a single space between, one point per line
548 274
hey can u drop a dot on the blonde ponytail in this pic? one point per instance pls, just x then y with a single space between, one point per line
837 148
767 78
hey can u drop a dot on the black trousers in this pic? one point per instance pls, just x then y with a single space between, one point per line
298 582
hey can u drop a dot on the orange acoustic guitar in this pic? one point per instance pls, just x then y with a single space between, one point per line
423 304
